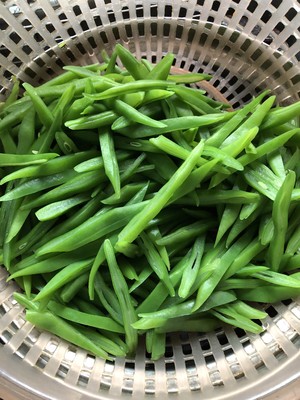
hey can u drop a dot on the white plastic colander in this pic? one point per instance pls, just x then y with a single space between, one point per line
247 46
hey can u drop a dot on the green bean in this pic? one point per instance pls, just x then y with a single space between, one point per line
94 228
92 121
155 261
208 285
76 184
132 65
267 294
70 290
65 143
37 184
58 326
131 87
132 114
122 293
280 213
110 160
41 109
49 167
192 268
73 315
58 208
199 324
224 131
25 159
156 204
175 124
162 69
189 77
280 115
108 298
65 275
111 344
237 320
26 132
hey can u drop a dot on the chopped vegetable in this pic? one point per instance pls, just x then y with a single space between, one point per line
133 204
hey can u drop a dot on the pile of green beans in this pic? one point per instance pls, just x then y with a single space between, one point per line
132 203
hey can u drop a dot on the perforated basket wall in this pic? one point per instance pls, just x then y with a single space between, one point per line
247 46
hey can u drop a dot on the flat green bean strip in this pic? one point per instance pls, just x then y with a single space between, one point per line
158 347
65 143
26 132
58 326
92 121
132 87
151 111
193 181
41 109
92 229
122 293
262 179
126 193
192 268
155 261
58 208
13 95
110 161
138 223
175 124
132 65
49 167
44 142
164 165
76 184
280 115
98 260
65 275
13 119
33 236
160 293
241 225
238 321
109 341
208 285
217 299
280 214
155 234
194 99
189 77
174 149
249 270
7 160
131 113
142 278
277 279
268 294
108 298
215 196
20 216
240 283
8 143
162 69
229 216
37 184
200 324
71 290
128 269
245 257
185 233
73 315
225 130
